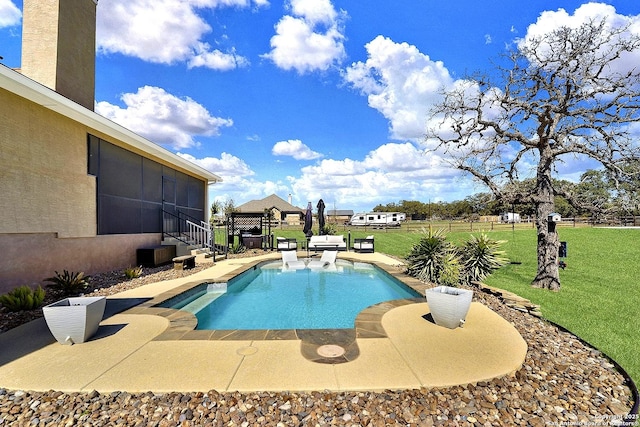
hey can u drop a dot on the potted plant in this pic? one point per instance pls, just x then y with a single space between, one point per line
435 260
448 304
74 320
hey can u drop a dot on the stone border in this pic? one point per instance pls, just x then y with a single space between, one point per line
182 324
511 300
519 303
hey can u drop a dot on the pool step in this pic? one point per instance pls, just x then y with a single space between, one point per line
199 303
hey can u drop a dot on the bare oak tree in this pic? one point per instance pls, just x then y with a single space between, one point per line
563 94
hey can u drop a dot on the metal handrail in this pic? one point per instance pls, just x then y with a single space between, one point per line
200 234
170 225
186 231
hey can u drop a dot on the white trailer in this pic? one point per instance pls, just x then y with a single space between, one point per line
510 217
382 219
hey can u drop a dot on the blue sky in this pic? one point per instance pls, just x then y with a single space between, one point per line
313 98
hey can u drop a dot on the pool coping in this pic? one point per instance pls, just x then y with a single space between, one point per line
124 354
368 323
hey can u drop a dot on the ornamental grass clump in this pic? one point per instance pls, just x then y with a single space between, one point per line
434 259
23 298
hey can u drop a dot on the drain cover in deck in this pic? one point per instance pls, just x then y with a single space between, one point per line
330 350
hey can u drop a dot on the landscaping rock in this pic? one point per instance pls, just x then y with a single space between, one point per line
562 382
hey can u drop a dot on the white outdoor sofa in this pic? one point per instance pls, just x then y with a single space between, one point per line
317 243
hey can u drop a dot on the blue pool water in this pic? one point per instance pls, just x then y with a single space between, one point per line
270 298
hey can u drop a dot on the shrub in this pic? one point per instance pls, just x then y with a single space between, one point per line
133 272
328 229
432 256
434 259
23 298
238 248
481 257
450 274
70 283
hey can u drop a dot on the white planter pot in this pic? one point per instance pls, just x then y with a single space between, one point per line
74 320
449 306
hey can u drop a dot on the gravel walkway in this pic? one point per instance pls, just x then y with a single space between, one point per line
562 382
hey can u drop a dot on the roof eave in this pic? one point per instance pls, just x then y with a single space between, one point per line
37 93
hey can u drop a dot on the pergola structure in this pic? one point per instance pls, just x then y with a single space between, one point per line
253 230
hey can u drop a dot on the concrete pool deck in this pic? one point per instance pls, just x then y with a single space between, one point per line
138 349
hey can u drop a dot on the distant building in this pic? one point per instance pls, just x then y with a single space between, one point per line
339 216
280 209
79 192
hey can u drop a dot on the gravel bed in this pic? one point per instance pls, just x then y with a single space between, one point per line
562 382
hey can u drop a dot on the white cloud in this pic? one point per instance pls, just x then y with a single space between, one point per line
10 15
227 166
399 158
310 40
238 182
391 172
163 31
163 118
549 21
294 148
241 190
335 168
401 83
314 11
216 60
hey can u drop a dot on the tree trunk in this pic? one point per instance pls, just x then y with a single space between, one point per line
548 276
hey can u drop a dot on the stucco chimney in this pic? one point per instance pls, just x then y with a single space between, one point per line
59 46
289 199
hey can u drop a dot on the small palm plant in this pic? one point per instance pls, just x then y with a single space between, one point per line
433 259
481 257
69 283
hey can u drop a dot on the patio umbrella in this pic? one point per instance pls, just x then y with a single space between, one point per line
320 207
308 221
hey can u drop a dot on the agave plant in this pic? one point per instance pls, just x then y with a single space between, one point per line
481 257
432 256
23 298
70 283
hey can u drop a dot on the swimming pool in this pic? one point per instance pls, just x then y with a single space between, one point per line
270 297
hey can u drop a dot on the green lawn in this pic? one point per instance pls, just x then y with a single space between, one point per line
599 298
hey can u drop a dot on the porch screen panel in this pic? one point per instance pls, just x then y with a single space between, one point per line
130 190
